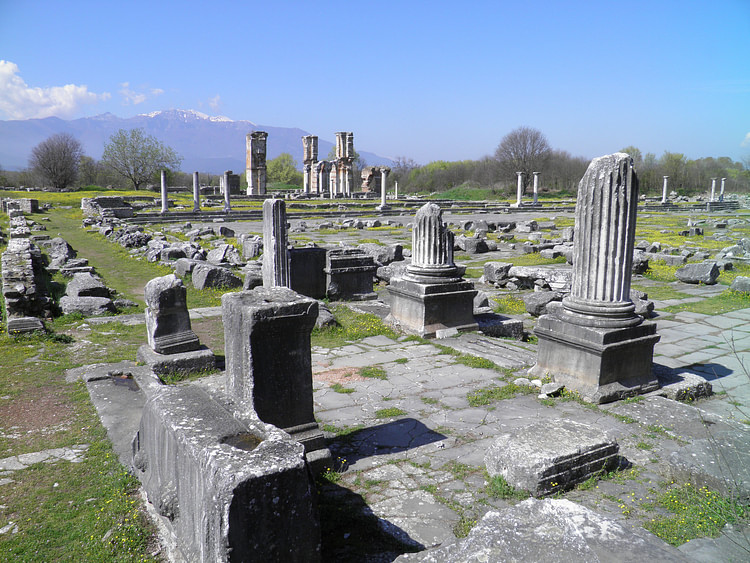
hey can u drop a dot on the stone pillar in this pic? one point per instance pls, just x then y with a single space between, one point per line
664 190
227 190
275 253
432 297
536 187
164 198
519 190
196 192
268 364
383 178
256 162
713 188
395 190
309 159
333 180
721 191
594 342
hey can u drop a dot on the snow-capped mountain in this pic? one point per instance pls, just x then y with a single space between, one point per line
206 143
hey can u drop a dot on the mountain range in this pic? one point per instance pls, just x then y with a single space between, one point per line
206 143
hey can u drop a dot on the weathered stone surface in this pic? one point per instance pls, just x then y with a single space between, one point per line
680 385
22 286
275 252
536 303
349 275
703 272
86 285
556 279
496 271
268 366
206 275
167 319
325 317
59 251
87 306
740 283
383 254
234 490
185 266
180 363
544 460
224 254
392 270
553 531
668 259
499 326
252 247
307 271
644 307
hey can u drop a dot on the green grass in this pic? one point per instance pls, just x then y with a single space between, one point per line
373 372
696 513
352 326
660 292
498 488
724 302
534 259
509 305
390 412
341 389
401 361
488 395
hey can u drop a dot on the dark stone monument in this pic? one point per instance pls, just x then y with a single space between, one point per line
172 347
269 370
307 275
594 342
349 275
432 296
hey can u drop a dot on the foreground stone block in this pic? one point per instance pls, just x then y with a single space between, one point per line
349 275
268 364
182 363
233 489
704 272
553 531
307 275
167 319
87 306
206 275
543 460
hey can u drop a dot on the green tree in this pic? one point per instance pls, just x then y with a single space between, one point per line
635 154
56 159
283 169
137 157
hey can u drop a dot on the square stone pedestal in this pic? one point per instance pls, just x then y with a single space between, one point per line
182 363
602 364
424 309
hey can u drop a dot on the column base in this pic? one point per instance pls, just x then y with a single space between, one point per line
602 364
425 308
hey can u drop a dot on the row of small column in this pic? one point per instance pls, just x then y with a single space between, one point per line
519 190
196 192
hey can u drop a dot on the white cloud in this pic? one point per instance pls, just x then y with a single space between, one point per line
156 91
214 102
131 96
18 100
746 141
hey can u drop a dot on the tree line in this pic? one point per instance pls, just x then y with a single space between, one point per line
133 159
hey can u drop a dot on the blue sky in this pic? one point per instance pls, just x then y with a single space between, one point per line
430 81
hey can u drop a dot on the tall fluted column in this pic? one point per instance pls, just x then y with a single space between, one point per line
536 187
603 247
196 192
664 190
275 253
721 192
164 200
713 188
383 180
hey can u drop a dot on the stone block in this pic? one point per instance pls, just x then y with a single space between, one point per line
703 272
544 458
181 363
233 489
87 306
496 271
86 285
740 283
167 319
499 326
307 275
383 254
536 303
207 275
349 275
554 531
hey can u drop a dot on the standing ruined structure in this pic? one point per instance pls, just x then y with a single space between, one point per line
432 296
593 342
256 162
275 253
344 161
310 161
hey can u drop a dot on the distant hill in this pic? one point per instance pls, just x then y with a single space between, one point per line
206 144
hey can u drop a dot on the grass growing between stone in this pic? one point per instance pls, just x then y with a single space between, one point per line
696 512
724 302
487 395
352 326
509 305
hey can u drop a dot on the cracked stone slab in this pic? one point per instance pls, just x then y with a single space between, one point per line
503 354
543 458
554 531
73 454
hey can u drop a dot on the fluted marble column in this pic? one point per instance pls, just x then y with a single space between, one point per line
721 191
432 244
536 187
383 180
519 189
713 188
275 254
603 248
664 190
164 199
